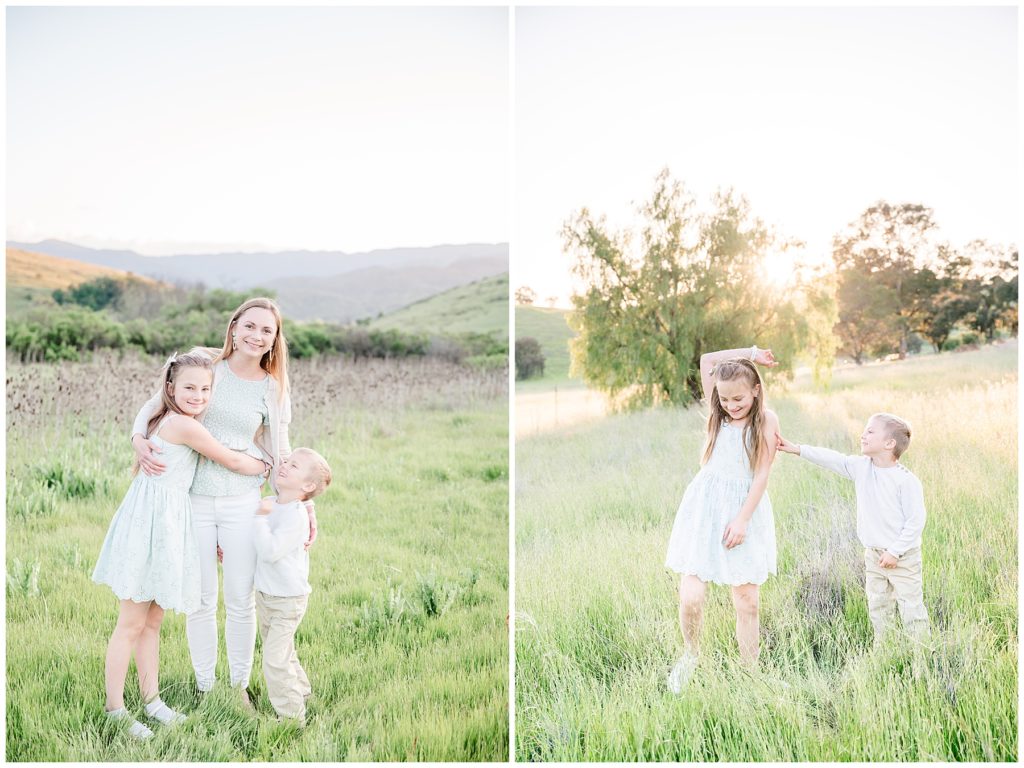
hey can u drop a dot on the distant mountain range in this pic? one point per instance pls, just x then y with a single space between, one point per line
311 285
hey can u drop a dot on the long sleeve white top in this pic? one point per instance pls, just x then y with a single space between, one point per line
890 500
282 562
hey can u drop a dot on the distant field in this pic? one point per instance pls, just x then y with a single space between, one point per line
480 307
547 326
405 641
596 624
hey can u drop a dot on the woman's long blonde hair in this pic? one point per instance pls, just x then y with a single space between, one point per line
169 375
275 361
753 431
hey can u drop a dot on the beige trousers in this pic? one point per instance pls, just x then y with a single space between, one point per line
287 684
888 587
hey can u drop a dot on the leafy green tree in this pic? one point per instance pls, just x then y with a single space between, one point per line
949 301
880 262
694 285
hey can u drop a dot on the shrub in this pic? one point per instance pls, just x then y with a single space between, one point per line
529 358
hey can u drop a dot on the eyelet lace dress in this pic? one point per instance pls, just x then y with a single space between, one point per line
151 552
711 501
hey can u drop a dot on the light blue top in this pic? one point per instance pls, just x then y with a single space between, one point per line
237 409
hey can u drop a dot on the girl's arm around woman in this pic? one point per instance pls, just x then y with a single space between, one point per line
193 434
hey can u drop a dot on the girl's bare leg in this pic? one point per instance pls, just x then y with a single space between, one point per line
147 653
131 620
692 592
746 599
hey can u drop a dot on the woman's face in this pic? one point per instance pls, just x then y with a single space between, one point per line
255 332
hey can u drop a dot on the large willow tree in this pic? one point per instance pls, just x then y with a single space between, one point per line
693 283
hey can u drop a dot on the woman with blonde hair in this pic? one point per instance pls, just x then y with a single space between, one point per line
249 411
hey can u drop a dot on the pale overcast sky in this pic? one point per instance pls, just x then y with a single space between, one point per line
812 113
170 130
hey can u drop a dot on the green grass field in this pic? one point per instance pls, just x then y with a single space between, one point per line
478 307
596 627
549 328
405 640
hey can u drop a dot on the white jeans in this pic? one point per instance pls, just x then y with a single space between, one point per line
227 520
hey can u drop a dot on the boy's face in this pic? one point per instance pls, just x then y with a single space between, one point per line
296 474
874 441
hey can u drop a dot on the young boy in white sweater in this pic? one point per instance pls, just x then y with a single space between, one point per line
282 576
890 519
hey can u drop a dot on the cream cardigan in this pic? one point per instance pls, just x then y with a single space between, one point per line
273 442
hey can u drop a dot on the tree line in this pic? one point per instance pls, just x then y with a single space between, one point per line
689 281
107 313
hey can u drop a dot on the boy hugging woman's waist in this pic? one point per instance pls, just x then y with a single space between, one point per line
281 530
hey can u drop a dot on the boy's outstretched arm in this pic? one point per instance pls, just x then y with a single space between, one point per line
782 444
823 457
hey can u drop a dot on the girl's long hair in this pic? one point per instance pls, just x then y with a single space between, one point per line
274 362
169 374
753 431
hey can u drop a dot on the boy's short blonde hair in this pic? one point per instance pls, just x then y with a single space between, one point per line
321 473
895 429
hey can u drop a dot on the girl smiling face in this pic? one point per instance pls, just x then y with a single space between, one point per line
255 332
736 397
190 389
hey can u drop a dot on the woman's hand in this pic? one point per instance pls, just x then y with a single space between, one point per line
312 524
735 533
766 358
145 451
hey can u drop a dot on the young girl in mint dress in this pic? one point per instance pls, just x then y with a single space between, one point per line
724 532
150 556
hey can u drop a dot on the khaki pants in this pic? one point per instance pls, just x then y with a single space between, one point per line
287 684
888 587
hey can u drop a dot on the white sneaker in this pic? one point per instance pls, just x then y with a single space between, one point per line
163 714
135 728
681 673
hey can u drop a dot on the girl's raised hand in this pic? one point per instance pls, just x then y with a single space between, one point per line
766 358
146 451
735 533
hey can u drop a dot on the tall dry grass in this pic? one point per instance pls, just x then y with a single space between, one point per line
596 628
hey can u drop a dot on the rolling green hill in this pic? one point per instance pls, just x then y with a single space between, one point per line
480 307
549 327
